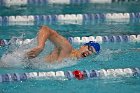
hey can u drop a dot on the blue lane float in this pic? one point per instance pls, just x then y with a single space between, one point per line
40 2
76 74
68 18
79 40
101 39
1 2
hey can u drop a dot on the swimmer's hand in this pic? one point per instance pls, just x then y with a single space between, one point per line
34 52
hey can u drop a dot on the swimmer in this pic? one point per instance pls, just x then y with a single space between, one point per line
63 48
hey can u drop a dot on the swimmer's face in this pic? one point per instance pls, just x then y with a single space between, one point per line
86 51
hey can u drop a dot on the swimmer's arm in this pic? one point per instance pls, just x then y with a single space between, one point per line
53 56
56 55
44 34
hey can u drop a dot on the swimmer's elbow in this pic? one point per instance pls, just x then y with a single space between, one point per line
48 30
45 27
69 49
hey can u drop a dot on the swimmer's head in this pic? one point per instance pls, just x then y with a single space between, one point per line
93 46
89 48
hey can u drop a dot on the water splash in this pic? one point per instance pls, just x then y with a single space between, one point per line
106 55
15 56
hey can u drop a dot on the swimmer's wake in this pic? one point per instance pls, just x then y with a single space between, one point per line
15 56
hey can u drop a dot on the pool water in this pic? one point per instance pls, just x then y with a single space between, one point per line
112 55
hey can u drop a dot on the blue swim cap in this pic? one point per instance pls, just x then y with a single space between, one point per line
94 44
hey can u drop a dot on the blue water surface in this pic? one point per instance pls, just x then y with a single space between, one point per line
112 55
